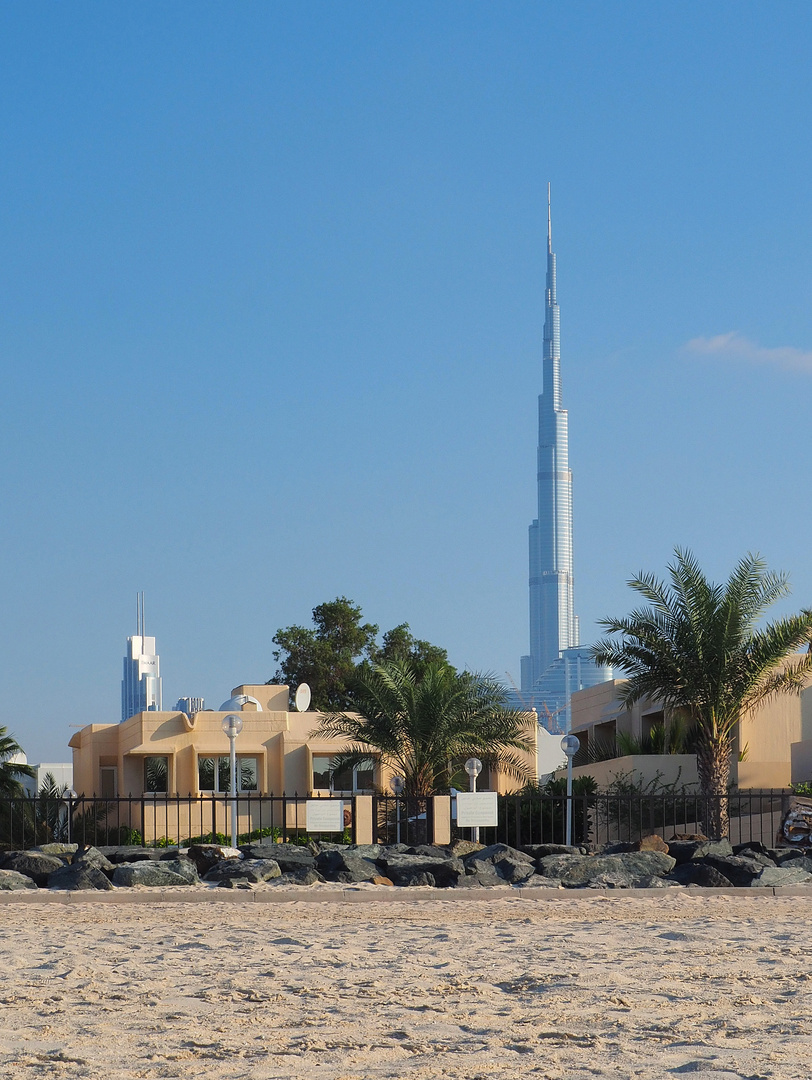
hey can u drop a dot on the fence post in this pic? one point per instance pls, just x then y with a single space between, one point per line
362 818
441 820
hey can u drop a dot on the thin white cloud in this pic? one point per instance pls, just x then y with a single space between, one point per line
734 346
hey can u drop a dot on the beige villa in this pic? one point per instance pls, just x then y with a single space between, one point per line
152 755
773 744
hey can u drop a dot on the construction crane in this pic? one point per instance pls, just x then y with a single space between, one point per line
548 719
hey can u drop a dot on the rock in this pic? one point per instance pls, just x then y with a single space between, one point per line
482 873
751 853
790 874
628 870
11 881
653 842
379 879
415 879
250 870
234 883
495 853
90 856
685 850
782 856
57 849
444 871
79 876
156 875
303 876
538 881
460 848
617 849
130 854
207 856
555 866
750 848
355 869
290 857
347 865
541 851
496 873
34 865
699 873
738 869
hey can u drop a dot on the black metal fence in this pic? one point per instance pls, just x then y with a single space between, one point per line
602 818
157 820
526 818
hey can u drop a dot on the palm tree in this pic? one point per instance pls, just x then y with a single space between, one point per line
425 719
10 770
699 651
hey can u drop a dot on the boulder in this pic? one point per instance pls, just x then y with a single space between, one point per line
57 849
156 875
461 848
79 876
782 856
130 854
34 865
495 853
789 874
251 870
652 842
754 853
686 850
349 864
538 881
304 876
355 869
699 873
541 851
11 881
207 856
379 879
290 857
628 870
480 873
556 865
497 872
738 869
403 869
90 856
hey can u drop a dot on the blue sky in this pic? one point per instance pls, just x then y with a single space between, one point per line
271 307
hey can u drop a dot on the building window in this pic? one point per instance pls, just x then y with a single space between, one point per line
156 774
360 777
214 774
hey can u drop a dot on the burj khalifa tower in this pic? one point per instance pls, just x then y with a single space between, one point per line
556 665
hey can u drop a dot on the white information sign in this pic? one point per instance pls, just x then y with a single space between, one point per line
477 808
324 815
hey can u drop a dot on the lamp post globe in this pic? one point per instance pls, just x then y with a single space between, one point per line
232 726
570 744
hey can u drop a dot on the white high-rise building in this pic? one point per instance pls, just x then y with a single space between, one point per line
141 684
557 665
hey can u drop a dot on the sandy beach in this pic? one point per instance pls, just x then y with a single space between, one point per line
576 987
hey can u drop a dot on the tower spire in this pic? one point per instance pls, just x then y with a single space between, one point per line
549 223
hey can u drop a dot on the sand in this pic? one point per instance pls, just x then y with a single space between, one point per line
576 987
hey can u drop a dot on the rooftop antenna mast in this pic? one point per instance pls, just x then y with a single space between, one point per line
549 223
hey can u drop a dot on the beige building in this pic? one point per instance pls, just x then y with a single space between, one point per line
157 754
772 747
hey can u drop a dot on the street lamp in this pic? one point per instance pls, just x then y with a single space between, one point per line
232 726
397 784
570 744
473 766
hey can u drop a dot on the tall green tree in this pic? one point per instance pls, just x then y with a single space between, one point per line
699 649
329 655
325 655
424 720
